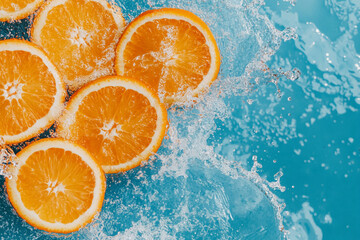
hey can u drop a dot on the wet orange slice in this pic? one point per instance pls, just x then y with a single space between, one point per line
119 120
17 9
172 50
57 186
80 37
32 92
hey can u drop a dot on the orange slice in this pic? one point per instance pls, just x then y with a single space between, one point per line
80 37
119 120
56 186
172 50
17 9
32 93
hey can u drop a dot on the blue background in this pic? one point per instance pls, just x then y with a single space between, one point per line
307 126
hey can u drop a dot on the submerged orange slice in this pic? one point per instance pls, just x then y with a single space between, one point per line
17 9
80 37
172 50
119 120
32 93
56 186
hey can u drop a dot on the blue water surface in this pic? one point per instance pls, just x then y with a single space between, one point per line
288 97
321 160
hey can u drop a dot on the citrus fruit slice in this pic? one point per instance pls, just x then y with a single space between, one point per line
17 9
119 120
80 37
56 186
172 50
32 92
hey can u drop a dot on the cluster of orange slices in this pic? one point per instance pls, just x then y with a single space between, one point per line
120 81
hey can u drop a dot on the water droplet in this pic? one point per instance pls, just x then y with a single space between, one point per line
278 175
293 74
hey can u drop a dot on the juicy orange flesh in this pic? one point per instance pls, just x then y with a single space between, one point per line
14 5
115 124
56 184
170 55
82 41
27 91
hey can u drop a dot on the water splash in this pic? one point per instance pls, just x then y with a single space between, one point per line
7 159
247 40
303 225
292 2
